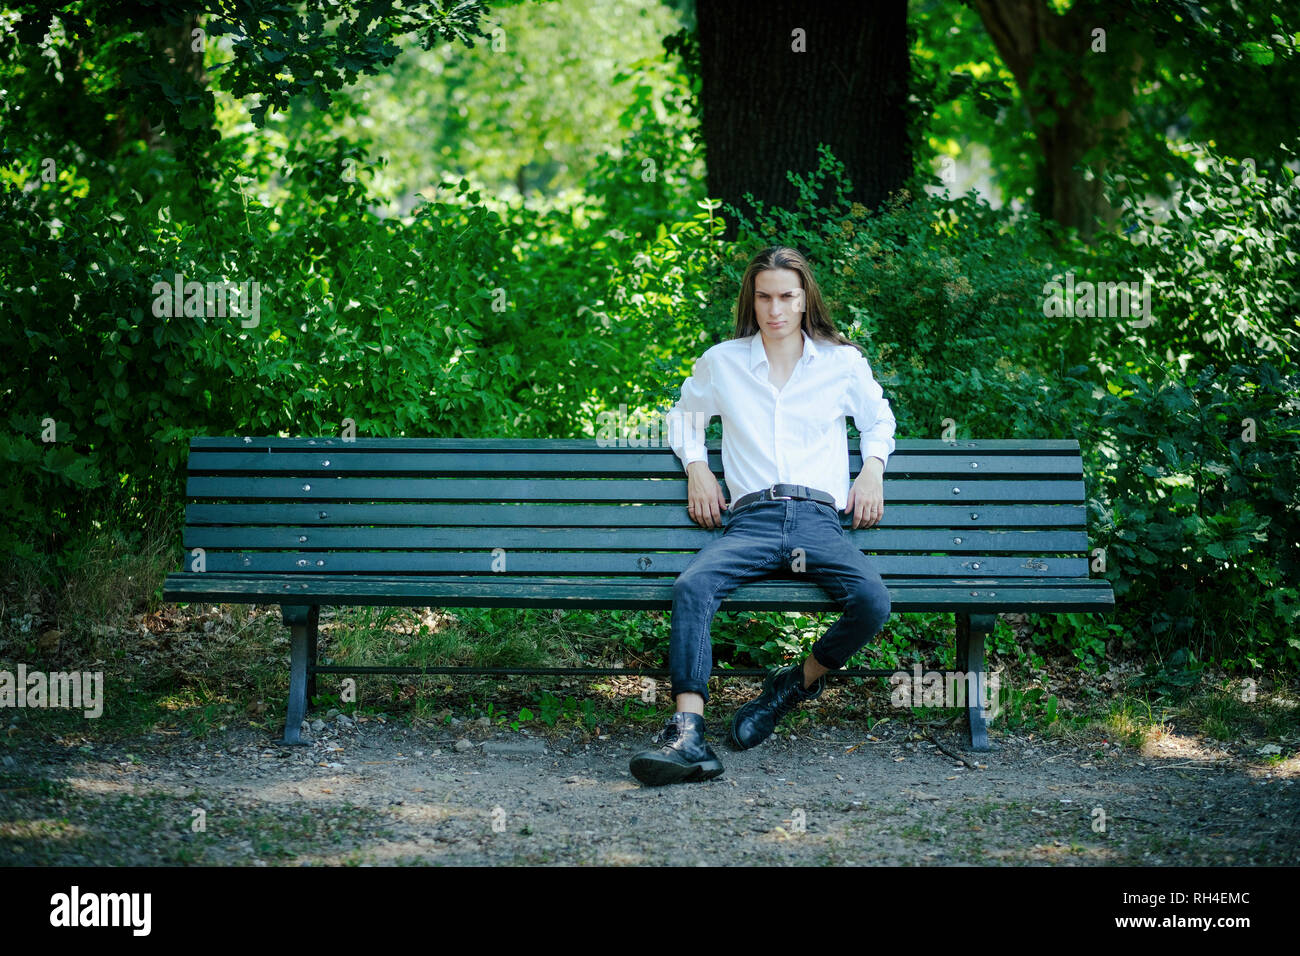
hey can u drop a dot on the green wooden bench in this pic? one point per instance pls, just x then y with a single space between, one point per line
971 527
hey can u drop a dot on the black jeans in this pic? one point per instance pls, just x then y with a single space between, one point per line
798 539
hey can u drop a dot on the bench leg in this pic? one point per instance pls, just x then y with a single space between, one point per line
312 620
971 630
302 620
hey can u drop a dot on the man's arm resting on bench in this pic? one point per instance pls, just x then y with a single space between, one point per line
867 496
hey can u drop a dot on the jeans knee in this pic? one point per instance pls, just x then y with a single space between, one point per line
871 603
687 586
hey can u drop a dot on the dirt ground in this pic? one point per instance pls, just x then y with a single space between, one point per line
375 792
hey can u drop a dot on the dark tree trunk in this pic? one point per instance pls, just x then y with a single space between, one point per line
765 107
1062 108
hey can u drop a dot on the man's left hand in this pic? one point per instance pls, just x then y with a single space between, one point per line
867 496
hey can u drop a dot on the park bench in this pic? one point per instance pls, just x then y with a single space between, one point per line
972 527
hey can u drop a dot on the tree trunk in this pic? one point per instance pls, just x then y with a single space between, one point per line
1060 100
766 104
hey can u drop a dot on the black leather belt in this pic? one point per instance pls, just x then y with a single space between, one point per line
783 493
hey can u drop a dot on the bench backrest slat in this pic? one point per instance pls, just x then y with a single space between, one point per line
619 563
604 515
604 463
1065 447
611 539
328 488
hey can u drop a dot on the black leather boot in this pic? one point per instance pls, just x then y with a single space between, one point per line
683 756
782 691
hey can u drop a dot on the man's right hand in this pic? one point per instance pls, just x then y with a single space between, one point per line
705 503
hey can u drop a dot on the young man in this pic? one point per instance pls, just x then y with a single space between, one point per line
782 385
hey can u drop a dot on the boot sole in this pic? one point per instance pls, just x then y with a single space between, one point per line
655 771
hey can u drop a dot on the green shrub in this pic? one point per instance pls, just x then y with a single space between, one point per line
1196 504
1189 419
1220 262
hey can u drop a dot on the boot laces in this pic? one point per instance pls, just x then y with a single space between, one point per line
790 692
672 730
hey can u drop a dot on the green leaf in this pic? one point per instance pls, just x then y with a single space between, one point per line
1260 53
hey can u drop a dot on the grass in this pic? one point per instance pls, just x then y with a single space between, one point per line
1230 711
1217 713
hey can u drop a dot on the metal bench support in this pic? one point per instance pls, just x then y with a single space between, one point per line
302 620
971 630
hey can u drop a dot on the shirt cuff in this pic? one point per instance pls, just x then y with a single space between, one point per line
876 449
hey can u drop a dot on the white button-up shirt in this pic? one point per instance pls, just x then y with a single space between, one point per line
792 435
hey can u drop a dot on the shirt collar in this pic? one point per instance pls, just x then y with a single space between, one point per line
758 354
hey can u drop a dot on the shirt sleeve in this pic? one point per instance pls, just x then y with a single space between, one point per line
870 410
690 416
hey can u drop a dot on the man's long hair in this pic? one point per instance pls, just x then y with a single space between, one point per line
815 321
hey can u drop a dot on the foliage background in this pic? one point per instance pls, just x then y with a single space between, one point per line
469 240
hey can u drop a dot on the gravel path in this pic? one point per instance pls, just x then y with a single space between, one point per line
367 791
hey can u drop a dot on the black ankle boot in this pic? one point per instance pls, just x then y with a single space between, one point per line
782 691
683 756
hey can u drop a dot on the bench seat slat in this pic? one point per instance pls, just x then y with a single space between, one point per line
966 596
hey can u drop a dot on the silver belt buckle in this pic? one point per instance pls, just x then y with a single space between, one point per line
771 491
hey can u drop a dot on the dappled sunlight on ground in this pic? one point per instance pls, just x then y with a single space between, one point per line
1166 744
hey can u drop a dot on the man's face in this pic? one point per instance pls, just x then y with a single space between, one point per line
778 303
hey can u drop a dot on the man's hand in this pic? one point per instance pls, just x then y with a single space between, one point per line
867 496
705 503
